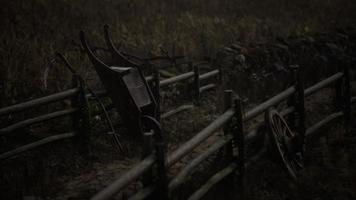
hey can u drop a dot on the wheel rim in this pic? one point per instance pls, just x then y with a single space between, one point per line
285 142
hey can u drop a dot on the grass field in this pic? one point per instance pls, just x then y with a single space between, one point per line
34 30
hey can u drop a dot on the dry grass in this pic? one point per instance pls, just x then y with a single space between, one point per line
34 30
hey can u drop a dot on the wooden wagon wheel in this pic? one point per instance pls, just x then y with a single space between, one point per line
286 143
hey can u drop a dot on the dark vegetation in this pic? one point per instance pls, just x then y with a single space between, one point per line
34 30
255 41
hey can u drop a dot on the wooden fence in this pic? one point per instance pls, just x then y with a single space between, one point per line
79 109
153 169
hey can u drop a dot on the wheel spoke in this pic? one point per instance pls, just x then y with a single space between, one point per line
283 139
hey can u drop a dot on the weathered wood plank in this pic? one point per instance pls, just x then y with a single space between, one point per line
127 178
322 84
36 144
177 110
270 102
310 133
209 74
181 177
207 87
201 192
35 120
40 101
199 138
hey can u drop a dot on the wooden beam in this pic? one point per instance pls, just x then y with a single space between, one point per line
177 110
187 147
310 133
181 177
209 74
126 178
322 84
202 191
270 102
33 145
37 102
143 193
207 87
178 78
35 120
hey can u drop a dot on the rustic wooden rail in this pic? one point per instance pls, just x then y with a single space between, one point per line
40 101
36 120
231 121
33 145
155 164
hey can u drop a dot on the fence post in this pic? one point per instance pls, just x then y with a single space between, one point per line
81 118
196 84
346 98
291 118
239 144
147 149
300 107
220 75
229 151
227 127
298 103
162 181
338 84
157 94
235 149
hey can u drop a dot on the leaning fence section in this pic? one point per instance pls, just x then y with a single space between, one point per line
78 110
79 107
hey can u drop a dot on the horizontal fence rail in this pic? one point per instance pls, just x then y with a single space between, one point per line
35 120
180 178
207 87
177 110
310 131
323 84
127 178
36 144
143 194
267 104
176 79
200 193
39 101
187 147
209 74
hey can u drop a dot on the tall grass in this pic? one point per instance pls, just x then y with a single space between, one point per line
34 30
